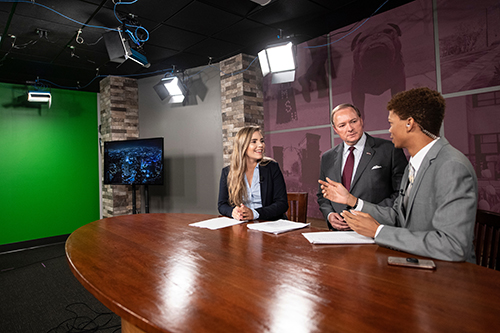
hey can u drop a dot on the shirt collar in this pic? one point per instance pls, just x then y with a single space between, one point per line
416 160
360 145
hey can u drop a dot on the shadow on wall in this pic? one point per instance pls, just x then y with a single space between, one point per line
189 186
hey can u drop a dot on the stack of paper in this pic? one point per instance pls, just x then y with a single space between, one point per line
216 223
277 227
337 237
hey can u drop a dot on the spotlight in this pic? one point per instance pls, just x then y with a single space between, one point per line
279 59
171 87
119 49
40 97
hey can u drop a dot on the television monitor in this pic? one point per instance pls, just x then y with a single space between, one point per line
134 162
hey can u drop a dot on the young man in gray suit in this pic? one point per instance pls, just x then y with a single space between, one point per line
435 213
377 167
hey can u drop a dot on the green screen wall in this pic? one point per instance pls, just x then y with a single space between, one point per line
49 169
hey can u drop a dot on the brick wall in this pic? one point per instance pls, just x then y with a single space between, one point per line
119 106
241 98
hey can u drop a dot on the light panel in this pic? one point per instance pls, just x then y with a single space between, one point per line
278 59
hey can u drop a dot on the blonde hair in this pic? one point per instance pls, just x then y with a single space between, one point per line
238 165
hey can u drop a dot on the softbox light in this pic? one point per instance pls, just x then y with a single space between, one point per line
172 88
279 60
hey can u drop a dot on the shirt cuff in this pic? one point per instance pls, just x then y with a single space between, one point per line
359 206
378 230
255 214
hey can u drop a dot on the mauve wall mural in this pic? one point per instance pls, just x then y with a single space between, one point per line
366 63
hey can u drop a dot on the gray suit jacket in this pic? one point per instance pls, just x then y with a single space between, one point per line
377 178
439 220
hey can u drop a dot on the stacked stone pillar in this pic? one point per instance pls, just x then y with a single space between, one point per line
119 107
241 98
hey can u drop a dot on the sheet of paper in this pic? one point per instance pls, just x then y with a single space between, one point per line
277 227
216 223
337 237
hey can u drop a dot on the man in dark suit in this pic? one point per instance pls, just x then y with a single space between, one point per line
377 167
435 213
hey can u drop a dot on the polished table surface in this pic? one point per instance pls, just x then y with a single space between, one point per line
161 275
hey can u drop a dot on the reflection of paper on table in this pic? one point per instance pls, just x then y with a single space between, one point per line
337 237
216 223
277 227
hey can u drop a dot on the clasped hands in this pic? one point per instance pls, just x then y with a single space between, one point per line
242 213
362 223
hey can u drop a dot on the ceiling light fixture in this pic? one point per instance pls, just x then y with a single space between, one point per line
171 87
119 49
40 97
279 60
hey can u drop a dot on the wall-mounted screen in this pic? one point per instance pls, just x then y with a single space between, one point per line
134 162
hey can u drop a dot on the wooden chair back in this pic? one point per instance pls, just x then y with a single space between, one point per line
297 206
487 239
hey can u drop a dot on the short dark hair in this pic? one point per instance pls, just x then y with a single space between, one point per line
424 105
341 107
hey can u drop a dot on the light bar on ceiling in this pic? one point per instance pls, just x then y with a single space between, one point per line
40 97
278 59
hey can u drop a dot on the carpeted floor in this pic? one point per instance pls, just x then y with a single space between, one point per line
38 293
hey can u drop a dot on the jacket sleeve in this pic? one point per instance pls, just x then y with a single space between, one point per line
223 203
325 205
274 200
399 163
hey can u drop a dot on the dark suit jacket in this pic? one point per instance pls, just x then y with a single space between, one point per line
439 220
376 179
272 190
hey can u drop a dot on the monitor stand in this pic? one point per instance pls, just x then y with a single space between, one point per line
146 199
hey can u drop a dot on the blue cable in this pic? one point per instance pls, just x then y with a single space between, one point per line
60 14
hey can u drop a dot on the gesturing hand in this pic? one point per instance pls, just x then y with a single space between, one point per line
338 222
363 223
336 192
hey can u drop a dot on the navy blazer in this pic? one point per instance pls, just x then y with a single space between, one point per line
376 179
272 191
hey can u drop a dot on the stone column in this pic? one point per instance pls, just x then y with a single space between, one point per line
241 98
119 105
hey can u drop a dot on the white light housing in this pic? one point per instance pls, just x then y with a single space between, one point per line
278 59
40 97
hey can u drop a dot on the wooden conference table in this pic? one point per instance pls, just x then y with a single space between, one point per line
161 275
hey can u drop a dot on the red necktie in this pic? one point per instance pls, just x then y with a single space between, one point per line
348 168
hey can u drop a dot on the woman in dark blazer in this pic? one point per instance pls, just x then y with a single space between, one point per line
252 186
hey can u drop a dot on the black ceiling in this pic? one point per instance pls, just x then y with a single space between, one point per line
38 43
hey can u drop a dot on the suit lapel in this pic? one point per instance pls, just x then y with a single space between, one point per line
336 174
366 156
426 163
263 184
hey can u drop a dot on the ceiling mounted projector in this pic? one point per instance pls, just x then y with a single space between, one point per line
40 97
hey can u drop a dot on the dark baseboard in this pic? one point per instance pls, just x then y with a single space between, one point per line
33 243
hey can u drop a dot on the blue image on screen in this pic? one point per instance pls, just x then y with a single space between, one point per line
134 162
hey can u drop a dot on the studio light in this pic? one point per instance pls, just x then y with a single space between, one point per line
279 60
119 49
40 97
172 88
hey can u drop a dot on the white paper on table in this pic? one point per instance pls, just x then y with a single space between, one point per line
337 237
277 227
216 223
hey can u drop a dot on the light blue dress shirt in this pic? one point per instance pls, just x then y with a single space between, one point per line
254 199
